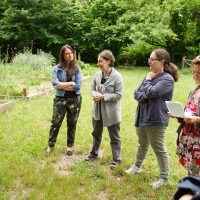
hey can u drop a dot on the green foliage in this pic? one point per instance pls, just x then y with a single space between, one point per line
23 69
148 23
13 85
94 31
83 65
90 26
87 69
168 24
46 22
9 87
37 61
135 54
186 70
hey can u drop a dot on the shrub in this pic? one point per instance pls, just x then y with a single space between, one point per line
135 54
33 61
87 69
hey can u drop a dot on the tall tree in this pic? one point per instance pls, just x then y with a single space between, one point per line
94 31
47 22
171 24
149 22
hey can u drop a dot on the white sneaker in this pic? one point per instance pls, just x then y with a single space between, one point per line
159 183
133 170
49 150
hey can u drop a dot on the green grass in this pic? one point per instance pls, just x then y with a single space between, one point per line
26 173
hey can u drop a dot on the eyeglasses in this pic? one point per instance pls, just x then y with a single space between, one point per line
152 59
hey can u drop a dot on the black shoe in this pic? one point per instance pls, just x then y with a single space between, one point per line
89 158
69 152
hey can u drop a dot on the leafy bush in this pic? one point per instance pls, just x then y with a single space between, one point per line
83 65
8 86
87 69
33 61
186 70
39 65
135 54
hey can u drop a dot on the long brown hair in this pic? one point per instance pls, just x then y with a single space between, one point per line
169 67
73 67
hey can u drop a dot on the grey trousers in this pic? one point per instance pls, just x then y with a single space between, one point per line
115 140
155 137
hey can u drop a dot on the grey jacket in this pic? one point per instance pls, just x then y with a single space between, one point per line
152 112
110 107
197 125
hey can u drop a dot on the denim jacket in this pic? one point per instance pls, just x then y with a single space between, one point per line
60 73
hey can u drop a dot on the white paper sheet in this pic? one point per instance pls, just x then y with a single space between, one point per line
175 108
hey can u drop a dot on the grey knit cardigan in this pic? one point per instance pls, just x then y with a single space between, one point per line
110 107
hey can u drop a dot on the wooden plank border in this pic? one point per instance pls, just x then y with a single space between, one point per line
34 96
4 105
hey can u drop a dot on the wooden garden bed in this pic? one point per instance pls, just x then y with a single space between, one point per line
4 105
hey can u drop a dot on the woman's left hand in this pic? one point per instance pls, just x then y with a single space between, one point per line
191 119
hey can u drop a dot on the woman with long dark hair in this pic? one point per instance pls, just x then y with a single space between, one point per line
67 80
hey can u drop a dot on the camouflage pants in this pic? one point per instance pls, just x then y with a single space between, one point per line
71 107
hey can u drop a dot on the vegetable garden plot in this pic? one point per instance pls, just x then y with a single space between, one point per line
24 86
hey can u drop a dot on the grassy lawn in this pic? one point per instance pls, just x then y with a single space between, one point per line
26 173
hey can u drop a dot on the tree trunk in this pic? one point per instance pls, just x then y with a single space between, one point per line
171 52
172 55
79 55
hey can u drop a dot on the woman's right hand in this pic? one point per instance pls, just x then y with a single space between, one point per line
152 75
170 115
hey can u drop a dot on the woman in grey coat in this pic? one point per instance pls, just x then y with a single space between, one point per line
106 91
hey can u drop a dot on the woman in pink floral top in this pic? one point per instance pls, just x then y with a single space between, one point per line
188 140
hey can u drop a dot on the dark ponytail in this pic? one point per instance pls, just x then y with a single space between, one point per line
169 67
172 69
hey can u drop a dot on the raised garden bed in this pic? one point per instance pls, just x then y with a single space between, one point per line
4 105
35 91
